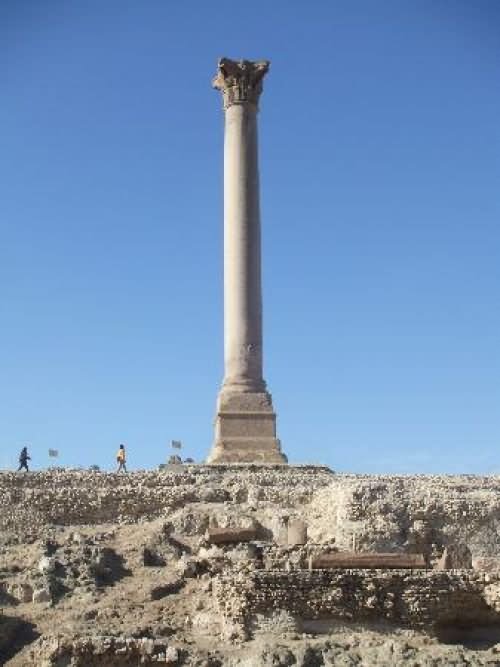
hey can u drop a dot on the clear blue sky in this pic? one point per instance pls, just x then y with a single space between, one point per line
380 170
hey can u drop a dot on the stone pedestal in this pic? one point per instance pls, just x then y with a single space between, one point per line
245 429
245 423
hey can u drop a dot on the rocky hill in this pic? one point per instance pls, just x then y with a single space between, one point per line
214 565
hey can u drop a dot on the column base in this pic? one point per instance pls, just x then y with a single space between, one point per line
245 430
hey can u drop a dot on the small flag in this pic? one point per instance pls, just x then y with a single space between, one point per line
176 444
53 452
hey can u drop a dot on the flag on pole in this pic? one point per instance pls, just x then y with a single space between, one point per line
54 453
176 444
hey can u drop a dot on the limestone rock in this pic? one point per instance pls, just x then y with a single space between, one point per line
46 565
171 655
455 557
42 595
296 532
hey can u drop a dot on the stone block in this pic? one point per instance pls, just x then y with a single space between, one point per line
171 655
21 592
42 595
46 565
455 557
356 560
24 593
231 535
486 564
296 532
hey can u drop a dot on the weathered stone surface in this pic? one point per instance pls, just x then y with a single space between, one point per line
355 649
388 512
72 498
377 511
245 429
486 564
419 600
14 592
296 532
101 650
455 557
46 565
42 595
240 81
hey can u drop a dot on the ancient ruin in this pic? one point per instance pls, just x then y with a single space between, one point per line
246 562
245 423
248 565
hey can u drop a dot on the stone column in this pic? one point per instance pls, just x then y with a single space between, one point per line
245 423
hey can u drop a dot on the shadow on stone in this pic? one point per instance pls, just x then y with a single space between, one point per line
476 626
6 598
476 637
58 590
151 558
182 547
161 591
15 634
109 567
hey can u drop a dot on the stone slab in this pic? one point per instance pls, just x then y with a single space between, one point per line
230 535
354 560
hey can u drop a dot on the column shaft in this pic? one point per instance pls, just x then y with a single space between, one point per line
242 252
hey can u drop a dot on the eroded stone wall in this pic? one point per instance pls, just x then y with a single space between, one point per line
416 599
97 651
30 501
366 513
415 513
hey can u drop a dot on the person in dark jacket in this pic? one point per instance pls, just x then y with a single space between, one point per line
23 459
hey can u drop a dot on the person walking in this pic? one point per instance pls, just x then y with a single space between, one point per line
121 459
23 459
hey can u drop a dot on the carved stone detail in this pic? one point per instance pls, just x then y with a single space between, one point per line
240 81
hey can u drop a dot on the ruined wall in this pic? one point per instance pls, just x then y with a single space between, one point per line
30 501
417 513
97 651
70 564
370 513
416 599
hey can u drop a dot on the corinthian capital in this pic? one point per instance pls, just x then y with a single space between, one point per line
240 81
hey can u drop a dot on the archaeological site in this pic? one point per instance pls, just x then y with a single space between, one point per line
246 560
243 564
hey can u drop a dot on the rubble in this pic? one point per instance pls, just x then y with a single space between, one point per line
102 650
211 565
